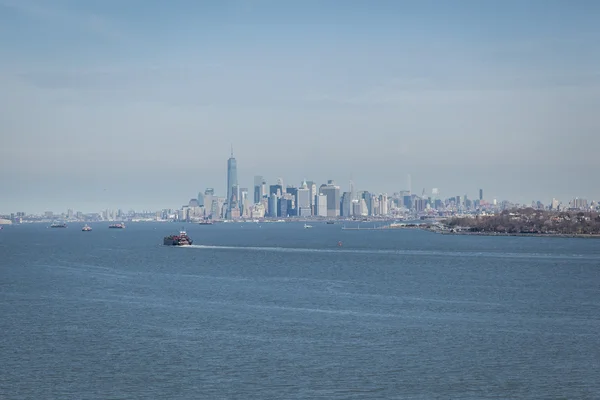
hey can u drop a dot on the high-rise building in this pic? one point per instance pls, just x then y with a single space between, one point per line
258 180
282 206
264 202
579 203
218 207
321 205
242 201
303 200
232 179
291 190
272 209
292 211
263 189
208 201
332 191
291 193
356 206
421 204
375 205
346 209
183 214
383 204
480 194
368 198
276 190
312 187
364 209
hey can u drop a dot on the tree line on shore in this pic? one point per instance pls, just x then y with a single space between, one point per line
529 220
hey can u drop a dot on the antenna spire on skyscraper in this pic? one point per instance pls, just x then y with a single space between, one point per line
231 150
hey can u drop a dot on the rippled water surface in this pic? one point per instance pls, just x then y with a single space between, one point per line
275 311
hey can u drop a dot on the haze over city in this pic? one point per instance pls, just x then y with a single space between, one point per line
135 104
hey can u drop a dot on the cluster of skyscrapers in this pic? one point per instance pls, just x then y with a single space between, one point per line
280 201
307 200
326 201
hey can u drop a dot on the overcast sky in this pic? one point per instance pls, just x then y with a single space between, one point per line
135 103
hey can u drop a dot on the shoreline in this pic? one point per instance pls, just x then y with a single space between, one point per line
550 235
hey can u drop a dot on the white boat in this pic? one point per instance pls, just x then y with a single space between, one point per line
306 226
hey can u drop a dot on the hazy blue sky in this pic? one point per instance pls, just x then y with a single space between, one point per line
134 103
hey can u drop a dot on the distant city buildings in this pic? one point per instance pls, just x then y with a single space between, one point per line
304 202
579 203
332 192
321 205
258 192
308 200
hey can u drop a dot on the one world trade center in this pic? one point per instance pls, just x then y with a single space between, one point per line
232 182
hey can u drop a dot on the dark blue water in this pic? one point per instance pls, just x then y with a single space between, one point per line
275 311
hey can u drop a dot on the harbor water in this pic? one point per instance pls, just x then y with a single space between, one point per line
276 311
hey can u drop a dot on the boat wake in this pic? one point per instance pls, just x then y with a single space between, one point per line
273 249
398 252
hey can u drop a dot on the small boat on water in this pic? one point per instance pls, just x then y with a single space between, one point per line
205 222
178 240
58 225
86 228
117 226
306 226
330 222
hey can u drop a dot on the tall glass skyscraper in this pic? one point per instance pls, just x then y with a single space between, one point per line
258 180
232 180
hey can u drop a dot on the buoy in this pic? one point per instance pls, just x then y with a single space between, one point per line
339 244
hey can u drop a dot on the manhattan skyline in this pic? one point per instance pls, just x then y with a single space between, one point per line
232 194
136 105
